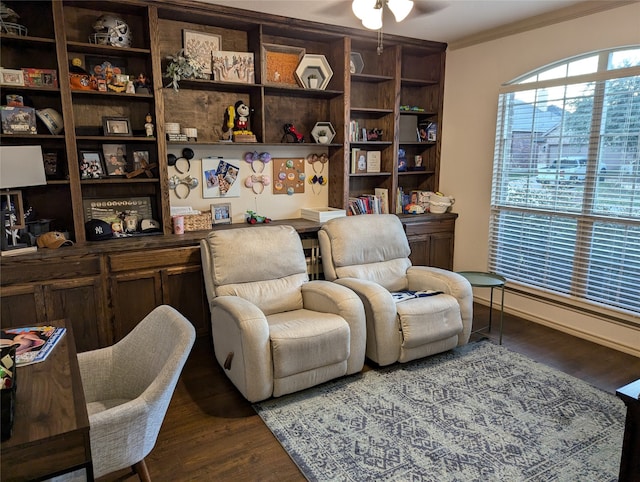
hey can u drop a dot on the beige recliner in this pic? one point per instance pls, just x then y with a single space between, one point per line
370 255
274 331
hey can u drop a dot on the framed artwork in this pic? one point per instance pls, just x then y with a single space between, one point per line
91 165
221 213
115 159
116 126
200 46
233 67
220 178
279 63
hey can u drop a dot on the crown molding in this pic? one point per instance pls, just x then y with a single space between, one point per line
543 20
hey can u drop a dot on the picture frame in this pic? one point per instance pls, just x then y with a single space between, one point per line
91 165
135 157
200 45
221 213
115 159
279 63
229 66
116 126
12 77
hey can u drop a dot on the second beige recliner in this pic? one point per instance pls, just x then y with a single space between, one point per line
370 255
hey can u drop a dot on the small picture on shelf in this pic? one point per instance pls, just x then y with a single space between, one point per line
139 159
200 46
115 159
427 131
91 165
221 213
116 126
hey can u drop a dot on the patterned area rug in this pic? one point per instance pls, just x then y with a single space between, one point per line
477 413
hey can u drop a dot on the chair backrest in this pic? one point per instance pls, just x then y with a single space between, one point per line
263 264
372 247
128 387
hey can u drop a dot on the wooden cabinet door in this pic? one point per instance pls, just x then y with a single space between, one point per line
441 250
22 305
80 302
133 296
420 249
183 288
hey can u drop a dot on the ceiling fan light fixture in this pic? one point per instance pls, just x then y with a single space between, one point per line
361 8
400 8
373 19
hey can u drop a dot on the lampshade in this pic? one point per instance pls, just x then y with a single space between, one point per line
362 7
373 19
400 8
21 166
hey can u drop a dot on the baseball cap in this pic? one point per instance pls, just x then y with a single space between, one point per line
98 230
149 225
53 239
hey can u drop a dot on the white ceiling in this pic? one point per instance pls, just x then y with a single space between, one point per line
448 20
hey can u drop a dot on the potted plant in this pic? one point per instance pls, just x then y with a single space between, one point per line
182 66
322 136
312 81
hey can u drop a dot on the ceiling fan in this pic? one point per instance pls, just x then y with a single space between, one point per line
372 12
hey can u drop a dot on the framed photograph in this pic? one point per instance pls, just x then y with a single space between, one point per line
13 77
279 63
138 158
116 126
200 46
115 159
127 216
221 213
91 166
233 67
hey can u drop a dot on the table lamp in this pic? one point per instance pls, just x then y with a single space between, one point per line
20 166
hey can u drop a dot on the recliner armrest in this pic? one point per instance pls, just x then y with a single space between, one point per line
384 337
449 282
240 328
328 297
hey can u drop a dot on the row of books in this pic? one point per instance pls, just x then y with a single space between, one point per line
377 203
363 161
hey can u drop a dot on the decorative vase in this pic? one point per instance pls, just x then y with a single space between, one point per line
313 82
323 139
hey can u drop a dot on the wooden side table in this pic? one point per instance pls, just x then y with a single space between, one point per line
481 279
630 460
51 425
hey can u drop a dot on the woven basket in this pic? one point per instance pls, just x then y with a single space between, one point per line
197 222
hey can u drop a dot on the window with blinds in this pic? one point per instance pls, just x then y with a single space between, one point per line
565 206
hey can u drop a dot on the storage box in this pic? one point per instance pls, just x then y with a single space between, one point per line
321 215
18 120
197 222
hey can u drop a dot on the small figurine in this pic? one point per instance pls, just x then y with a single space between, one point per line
142 84
291 134
148 126
242 112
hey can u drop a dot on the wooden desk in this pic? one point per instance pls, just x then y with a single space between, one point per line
51 427
630 460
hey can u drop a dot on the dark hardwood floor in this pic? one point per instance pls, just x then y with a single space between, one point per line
211 433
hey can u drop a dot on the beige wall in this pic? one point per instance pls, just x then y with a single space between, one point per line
473 77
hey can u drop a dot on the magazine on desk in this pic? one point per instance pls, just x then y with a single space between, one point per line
36 342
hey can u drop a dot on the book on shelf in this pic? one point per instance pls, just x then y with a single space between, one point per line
374 160
383 195
35 343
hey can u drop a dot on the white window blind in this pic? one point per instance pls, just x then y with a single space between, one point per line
565 209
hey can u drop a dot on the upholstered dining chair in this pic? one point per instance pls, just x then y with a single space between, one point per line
370 255
274 331
128 387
